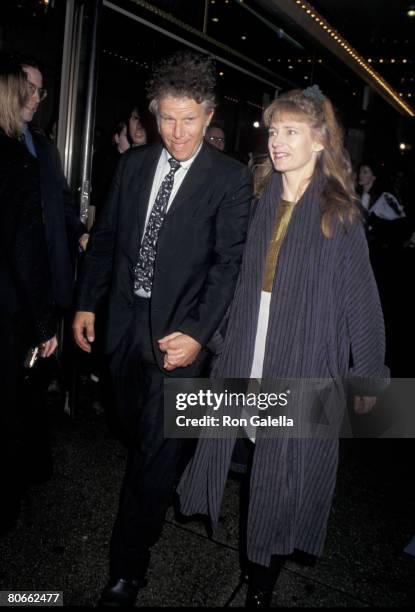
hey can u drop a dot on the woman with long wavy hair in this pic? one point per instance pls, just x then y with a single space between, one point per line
27 317
306 307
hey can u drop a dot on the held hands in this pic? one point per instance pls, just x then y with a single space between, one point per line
363 404
180 350
83 329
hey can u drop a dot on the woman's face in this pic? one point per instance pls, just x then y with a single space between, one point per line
366 176
293 146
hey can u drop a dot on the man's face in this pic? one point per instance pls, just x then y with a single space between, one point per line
35 80
216 137
136 130
182 123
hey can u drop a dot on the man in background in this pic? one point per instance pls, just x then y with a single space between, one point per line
65 235
215 135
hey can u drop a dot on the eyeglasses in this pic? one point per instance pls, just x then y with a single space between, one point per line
216 138
41 91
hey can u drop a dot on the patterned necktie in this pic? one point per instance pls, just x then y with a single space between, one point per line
144 269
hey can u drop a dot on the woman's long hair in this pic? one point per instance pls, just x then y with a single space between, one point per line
13 95
338 199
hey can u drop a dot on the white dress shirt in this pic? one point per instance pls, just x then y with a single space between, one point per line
163 168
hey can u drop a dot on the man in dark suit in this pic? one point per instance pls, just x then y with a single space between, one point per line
167 247
63 228
64 234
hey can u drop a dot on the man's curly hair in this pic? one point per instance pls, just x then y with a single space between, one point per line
185 75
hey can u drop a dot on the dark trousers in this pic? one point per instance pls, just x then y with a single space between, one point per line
15 340
153 461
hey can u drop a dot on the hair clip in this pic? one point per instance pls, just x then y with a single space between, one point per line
314 92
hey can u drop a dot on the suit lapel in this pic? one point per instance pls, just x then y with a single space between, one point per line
195 178
136 199
147 173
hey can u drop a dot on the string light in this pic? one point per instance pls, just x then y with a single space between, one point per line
311 13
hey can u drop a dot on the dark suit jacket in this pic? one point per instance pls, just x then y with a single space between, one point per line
199 248
62 225
25 287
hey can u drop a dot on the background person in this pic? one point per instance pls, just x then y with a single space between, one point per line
306 306
104 164
136 128
65 235
381 208
64 230
215 135
27 316
387 230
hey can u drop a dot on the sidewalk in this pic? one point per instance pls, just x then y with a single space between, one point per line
61 540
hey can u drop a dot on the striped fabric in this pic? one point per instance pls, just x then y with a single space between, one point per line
325 322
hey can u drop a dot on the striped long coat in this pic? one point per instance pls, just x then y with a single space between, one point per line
325 322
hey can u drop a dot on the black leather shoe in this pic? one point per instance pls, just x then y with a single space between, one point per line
258 598
121 593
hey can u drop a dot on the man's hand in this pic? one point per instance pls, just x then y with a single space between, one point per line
83 329
48 348
363 404
180 350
